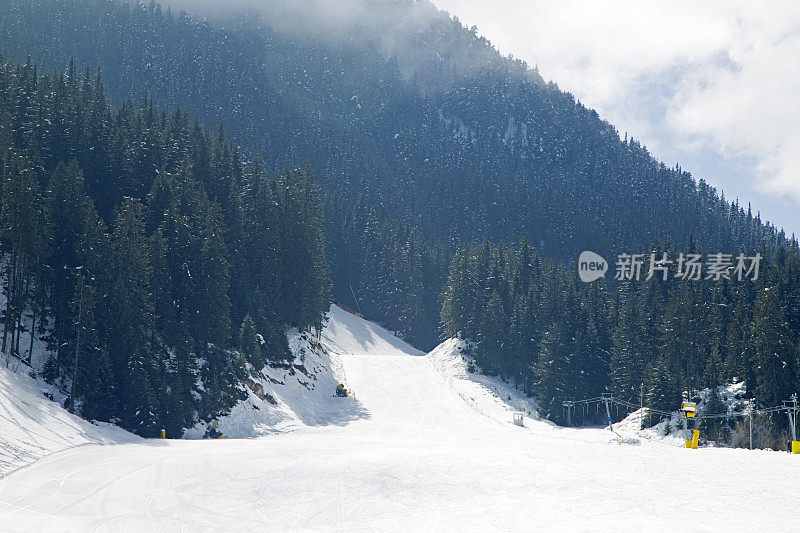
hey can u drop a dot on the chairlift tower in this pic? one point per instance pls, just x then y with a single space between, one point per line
791 412
607 398
569 405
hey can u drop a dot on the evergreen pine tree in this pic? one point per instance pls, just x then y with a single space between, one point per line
249 343
774 350
661 392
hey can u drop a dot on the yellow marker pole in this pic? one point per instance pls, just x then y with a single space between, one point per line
695 438
163 433
795 446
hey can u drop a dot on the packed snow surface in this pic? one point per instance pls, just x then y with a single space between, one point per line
423 445
32 426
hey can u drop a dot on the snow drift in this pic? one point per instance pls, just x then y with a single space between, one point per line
33 426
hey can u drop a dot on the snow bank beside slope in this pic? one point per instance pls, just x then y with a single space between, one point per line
490 396
670 428
32 426
284 397
347 333
493 397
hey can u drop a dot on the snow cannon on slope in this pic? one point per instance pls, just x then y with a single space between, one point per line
689 411
341 391
213 431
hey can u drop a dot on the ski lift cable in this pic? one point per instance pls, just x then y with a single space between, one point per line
600 399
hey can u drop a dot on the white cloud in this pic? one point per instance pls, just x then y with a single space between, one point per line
704 81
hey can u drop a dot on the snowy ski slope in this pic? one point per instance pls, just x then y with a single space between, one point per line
423 447
31 426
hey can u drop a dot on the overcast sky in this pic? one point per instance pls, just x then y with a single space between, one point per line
713 85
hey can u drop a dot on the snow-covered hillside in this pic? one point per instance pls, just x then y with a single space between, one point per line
498 399
423 445
32 422
670 428
487 395
33 426
287 396
291 396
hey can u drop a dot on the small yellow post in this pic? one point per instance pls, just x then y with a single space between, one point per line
695 438
795 446
163 433
688 444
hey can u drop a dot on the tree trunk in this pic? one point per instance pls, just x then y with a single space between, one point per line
20 309
77 345
9 299
33 332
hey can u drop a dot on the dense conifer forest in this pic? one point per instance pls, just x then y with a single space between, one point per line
654 340
438 132
147 252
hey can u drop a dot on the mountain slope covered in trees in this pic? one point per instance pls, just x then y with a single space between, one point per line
408 110
656 340
137 243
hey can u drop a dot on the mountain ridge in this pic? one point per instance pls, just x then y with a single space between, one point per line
488 151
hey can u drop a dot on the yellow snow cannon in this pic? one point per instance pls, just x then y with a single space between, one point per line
212 432
689 409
